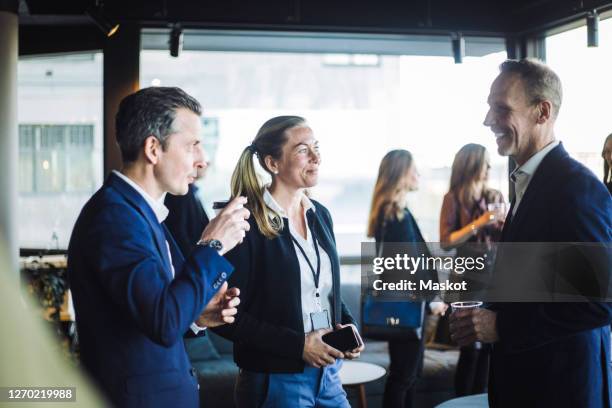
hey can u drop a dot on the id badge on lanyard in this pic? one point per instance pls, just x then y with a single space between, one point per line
320 318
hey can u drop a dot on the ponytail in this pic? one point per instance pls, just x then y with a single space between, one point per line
245 182
269 141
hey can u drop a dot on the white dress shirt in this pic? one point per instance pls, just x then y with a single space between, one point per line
161 213
309 299
522 175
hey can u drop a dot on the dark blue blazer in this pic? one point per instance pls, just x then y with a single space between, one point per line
555 354
130 313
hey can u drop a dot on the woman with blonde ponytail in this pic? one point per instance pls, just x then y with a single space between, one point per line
289 273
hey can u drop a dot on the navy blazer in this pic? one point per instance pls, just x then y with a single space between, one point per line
268 333
407 233
404 230
130 312
555 354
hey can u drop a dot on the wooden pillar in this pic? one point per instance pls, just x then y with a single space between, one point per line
121 78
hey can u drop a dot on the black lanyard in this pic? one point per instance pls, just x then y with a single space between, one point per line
317 274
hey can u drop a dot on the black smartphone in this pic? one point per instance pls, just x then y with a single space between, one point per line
343 339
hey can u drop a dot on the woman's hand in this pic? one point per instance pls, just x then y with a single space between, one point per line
487 218
438 308
355 353
316 352
464 234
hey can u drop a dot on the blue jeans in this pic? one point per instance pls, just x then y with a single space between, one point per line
315 387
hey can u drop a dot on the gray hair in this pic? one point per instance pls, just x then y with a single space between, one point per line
540 82
149 112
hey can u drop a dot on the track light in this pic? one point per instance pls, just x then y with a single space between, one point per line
176 40
592 29
103 22
458 43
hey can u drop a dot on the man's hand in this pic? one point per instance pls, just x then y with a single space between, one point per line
470 325
230 225
221 308
355 353
316 352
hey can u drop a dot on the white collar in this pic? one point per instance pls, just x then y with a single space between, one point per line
274 206
530 166
158 207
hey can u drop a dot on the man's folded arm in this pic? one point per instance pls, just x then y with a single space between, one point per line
127 263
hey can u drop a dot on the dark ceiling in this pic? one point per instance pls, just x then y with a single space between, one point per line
488 17
49 26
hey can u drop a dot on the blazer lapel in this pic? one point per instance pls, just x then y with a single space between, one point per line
538 181
178 260
138 202
508 222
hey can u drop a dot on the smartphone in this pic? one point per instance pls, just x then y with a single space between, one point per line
345 339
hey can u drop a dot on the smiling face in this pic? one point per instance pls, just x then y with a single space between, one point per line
178 164
298 166
512 118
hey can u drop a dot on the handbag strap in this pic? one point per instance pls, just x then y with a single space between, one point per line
379 250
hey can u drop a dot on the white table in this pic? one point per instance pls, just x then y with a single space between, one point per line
357 373
471 401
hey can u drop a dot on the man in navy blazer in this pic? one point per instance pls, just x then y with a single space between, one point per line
135 294
544 354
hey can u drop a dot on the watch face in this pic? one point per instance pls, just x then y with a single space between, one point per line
216 244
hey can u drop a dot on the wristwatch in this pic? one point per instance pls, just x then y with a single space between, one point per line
212 243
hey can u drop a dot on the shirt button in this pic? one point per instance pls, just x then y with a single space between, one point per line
193 372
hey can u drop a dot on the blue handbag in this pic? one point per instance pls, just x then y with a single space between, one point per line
388 319
391 320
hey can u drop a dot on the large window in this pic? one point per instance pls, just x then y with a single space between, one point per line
56 158
359 105
584 118
60 144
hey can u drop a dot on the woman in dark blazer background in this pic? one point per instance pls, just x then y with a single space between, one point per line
289 274
390 220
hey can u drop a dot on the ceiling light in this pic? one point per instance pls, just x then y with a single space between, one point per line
103 22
